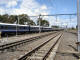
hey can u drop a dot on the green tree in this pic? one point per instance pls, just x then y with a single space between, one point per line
55 26
43 22
25 18
8 18
14 18
4 18
1 18
31 22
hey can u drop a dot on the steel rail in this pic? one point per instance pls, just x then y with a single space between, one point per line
29 53
14 44
51 49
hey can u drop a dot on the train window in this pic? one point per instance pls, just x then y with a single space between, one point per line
20 27
12 27
26 27
23 27
1 27
6 27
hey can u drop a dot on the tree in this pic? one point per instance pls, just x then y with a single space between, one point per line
31 22
1 18
25 18
14 18
43 22
4 18
8 18
55 26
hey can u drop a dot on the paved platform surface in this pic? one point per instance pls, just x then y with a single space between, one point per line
67 46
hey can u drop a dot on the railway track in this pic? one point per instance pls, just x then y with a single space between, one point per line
14 45
41 52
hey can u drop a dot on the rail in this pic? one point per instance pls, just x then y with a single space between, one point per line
14 44
36 49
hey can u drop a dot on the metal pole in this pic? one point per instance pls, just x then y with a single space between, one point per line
70 20
7 37
56 20
17 26
39 24
18 20
16 29
78 21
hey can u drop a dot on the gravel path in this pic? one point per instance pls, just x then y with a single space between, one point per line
67 45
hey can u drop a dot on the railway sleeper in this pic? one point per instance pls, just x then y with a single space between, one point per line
15 45
36 54
40 52
45 48
34 58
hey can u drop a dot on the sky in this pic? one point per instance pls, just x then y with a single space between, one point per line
44 7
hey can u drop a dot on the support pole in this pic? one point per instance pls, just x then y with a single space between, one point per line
78 21
17 25
18 20
56 20
39 23
70 21
57 24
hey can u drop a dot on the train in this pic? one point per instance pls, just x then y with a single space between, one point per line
7 29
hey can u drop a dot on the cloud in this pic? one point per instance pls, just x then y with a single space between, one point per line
20 11
33 7
8 3
44 7
11 3
30 7
4 1
2 11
